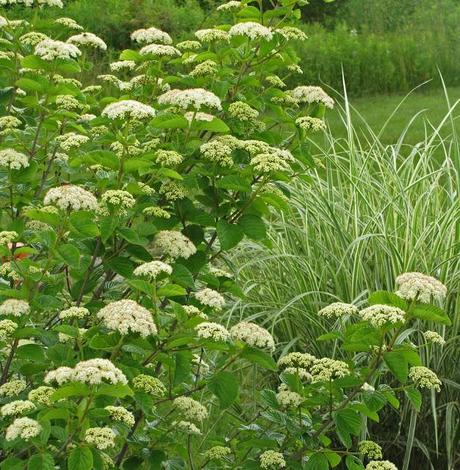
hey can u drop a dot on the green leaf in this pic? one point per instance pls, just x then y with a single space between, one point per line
432 313
348 420
169 121
353 463
80 458
398 365
259 357
41 462
34 62
317 461
225 386
234 183
415 397
70 255
253 227
32 352
131 236
387 298
216 125
104 342
28 84
118 390
83 223
129 54
229 234
171 290
75 389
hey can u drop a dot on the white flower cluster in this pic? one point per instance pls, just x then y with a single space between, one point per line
127 316
217 152
92 372
188 45
14 307
424 378
296 360
168 158
291 33
420 287
10 158
155 211
275 81
120 413
152 269
88 39
272 160
71 140
337 310
32 38
68 103
73 312
149 384
271 460
8 124
160 50
311 94
24 428
12 388
193 311
308 123
242 111
381 465
217 453
194 98
17 407
101 438
68 23
173 191
174 244
7 328
149 35
116 200
8 236
120 65
434 337
381 315
207 68
41 395
210 298
186 427
212 331
212 35
49 49
370 449
288 399
251 30
69 197
253 335
131 109
191 409
326 369
229 6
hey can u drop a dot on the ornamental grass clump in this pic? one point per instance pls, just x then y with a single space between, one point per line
118 197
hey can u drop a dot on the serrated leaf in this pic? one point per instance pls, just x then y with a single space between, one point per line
75 389
229 234
432 313
397 364
225 386
80 458
253 226
317 461
259 357
387 298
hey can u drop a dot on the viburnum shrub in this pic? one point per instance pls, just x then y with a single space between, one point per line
119 201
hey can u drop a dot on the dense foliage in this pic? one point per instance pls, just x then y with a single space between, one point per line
120 199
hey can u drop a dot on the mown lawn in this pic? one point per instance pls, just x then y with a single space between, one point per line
426 109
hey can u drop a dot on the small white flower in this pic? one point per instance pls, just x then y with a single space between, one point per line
311 94
251 30
160 50
190 409
424 378
88 39
271 459
127 316
253 335
101 438
433 337
381 465
326 369
25 428
211 35
174 244
13 160
149 35
194 98
17 407
152 269
14 307
212 331
128 109
337 310
48 49
382 315
420 287
71 197
210 298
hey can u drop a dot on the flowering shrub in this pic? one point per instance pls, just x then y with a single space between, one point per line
119 199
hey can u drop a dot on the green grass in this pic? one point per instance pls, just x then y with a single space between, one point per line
367 213
387 115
